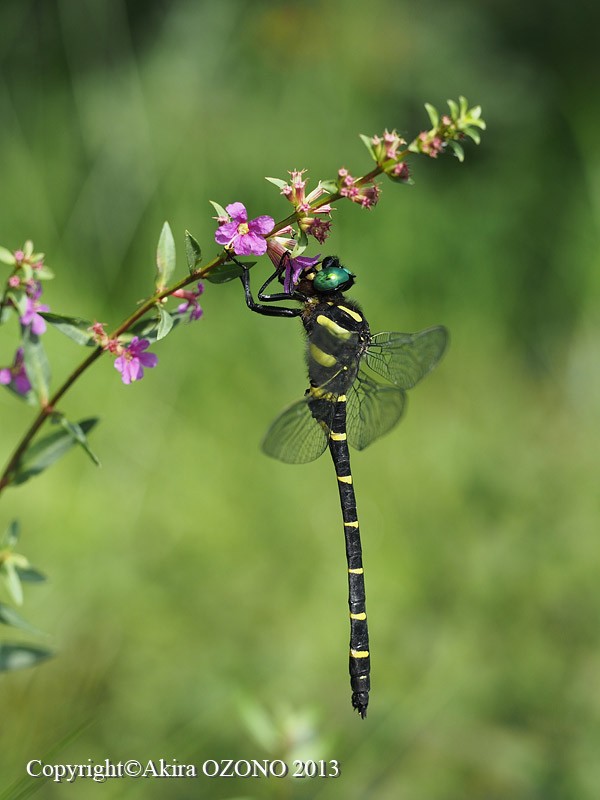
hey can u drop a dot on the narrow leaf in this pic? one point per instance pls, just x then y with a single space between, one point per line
46 451
473 133
7 257
75 328
19 298
277 182
193 252
36 365
19 656
330 187
165 257
300 245
11 537
433 114
8 616
30 575
77 433
453 109
44 273
219 209
458 149
165 324
12 581
226 272
148 328
368 143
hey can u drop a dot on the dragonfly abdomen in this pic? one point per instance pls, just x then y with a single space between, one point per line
359 662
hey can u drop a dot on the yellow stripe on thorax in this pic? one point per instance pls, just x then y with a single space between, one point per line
351 313
351 524
358 616
359 653
324 359
357 571
333 327
338 437
344 478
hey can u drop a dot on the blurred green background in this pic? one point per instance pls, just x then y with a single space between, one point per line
197 598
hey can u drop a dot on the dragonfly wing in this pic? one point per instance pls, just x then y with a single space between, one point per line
405 358
296 437
372 410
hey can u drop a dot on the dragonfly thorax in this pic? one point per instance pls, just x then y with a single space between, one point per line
332 276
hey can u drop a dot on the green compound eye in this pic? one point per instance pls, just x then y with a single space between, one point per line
332 279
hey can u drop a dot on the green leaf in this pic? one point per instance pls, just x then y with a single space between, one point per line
165 323
74 429
458 149
219 209
277 182
73 327
300 245
165 257
30 575
433 114
330 187
473 133
19 298
44 273
453 109
226 272
6 312
36 365
367 141
193 253
7 257
464 105
9 573
11 536
8 616
46 451
147 329
19 656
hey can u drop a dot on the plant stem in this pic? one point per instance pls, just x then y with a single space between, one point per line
49 408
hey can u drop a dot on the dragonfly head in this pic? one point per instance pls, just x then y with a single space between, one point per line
330 276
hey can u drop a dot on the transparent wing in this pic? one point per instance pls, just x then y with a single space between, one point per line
372 410
296 437
405 358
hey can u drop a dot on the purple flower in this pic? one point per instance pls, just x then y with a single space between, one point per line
191 303
132 360
16 376
245 237
32 317
294 268
279 253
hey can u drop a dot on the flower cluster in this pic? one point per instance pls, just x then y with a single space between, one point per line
366 195
22 292
448 130
306 206
387 153
191 304
130 358
312 209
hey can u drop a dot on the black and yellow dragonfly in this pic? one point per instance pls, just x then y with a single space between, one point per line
344 405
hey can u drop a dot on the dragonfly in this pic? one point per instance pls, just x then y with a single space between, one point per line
344 405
